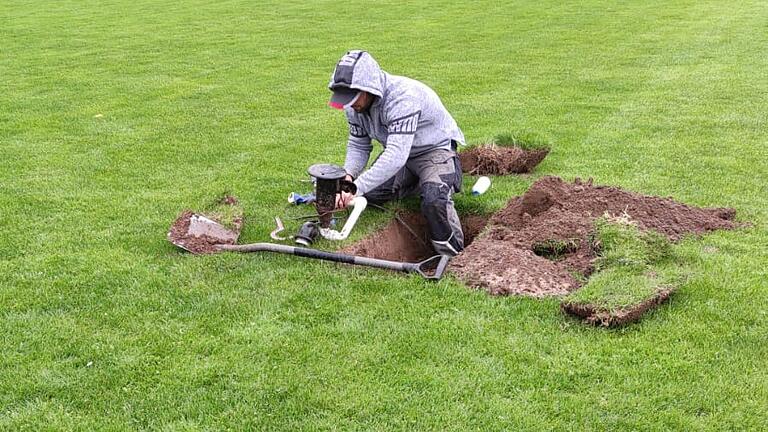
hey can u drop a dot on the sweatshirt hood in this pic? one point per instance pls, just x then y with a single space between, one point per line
359 70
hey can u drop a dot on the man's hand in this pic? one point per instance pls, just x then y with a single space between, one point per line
343 199
345 196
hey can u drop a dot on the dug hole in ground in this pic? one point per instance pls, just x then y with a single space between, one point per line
509 252
537 245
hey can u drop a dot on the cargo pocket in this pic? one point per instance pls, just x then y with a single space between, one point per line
459 177
449 169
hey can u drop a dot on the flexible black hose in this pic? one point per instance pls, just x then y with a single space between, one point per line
323 255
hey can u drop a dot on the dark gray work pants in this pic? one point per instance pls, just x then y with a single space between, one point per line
436 175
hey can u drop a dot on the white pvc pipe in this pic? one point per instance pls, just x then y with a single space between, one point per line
358 204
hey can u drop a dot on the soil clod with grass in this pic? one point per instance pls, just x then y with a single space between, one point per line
225 210
492 159
604 317
510 153
561 216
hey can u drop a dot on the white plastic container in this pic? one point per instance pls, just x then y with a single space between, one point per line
481 185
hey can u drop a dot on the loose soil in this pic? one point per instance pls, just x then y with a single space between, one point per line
538 245
395 242
202 244
502 259
598 316
500 160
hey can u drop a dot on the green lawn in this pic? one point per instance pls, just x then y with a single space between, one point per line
115 116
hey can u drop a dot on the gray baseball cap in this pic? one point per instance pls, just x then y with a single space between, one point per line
343 97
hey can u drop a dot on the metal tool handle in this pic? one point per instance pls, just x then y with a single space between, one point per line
420 268
442 264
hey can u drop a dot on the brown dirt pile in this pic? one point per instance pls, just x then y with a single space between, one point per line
198 244
613 318
502 261
500 160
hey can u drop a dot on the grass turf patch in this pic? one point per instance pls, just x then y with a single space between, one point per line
526 140
620 243
508 153
636 270
555 249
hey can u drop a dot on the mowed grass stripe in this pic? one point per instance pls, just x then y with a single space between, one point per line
197 97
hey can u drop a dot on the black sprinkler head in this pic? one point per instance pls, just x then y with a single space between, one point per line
328 183
307 234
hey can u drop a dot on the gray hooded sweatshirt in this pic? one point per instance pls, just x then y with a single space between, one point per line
407 118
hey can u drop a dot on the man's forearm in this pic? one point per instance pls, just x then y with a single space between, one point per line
358 153
392 159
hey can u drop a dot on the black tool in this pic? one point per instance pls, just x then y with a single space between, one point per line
307 234
329 182
423 268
